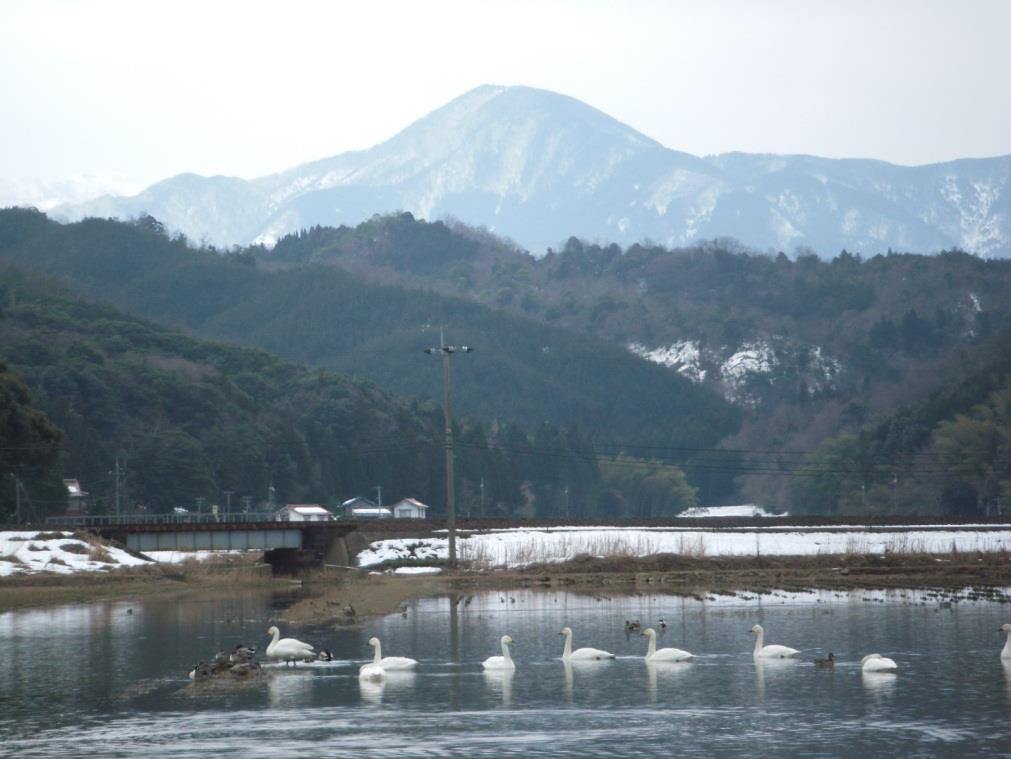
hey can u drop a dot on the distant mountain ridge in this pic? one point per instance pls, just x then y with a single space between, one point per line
538 166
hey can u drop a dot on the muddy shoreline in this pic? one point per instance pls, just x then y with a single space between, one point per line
351 597
328 601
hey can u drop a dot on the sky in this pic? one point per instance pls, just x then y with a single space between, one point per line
126 93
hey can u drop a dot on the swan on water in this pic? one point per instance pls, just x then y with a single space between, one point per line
287 649
580 654
664 654
878 663
374 669
1005 652
391 663
504 661
770 652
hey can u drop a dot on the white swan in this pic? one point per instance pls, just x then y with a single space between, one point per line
374 669
505 661
664 654
580 654
391 663
878 663
287 649
1005 652
770 652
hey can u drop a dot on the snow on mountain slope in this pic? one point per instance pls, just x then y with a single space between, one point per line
537 166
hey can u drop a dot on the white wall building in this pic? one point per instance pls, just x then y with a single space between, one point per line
304 512
409 508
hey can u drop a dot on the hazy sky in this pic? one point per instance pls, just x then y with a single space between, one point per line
146 89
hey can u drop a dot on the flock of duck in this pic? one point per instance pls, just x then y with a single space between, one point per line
291 651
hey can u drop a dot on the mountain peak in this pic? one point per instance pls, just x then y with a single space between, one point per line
539 167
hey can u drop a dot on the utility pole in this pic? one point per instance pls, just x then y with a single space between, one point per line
447 351
566 501
895 484
118 495
379 496
228 501
17 499
482 496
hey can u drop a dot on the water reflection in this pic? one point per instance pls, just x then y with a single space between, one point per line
95 680
771 668
501 681
879 684
668 671
289 688
372 691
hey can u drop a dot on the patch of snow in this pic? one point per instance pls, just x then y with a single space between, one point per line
977 307
417 571
177 557
23 553
522 547
744 510
684 357
751 358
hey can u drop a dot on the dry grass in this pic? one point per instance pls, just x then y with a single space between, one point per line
482 554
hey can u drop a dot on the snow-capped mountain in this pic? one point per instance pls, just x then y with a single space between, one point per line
538 167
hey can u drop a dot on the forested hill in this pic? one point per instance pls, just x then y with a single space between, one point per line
950 453
521 370
805 347
193 419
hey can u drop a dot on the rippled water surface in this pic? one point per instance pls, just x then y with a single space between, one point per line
109 679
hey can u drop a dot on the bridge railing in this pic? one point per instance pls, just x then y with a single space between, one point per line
160 519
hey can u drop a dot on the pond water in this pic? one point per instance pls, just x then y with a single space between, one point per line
110 679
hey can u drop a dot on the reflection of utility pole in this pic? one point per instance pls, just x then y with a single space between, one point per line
447 351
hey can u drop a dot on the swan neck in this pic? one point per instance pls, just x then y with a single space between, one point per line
652 646
1006 651
505 651
276 637
759 641
378 658
567 651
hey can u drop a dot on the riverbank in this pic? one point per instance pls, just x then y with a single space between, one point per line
352 597
48 589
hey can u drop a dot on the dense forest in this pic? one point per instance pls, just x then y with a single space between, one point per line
949 454
806 348
521 370
791 360
197 423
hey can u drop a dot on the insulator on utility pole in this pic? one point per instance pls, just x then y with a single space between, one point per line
447 351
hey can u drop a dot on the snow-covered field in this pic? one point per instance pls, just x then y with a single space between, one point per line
745 510
520 547
59 552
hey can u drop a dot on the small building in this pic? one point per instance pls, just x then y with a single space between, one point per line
409 508
77 499
363 508
304 512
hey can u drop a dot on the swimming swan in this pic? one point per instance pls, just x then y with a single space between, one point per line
770 652
287 649
878 663
664 654
374 669
1005 652
391 663
504 661
580 654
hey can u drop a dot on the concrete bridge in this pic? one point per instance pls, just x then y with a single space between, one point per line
287 546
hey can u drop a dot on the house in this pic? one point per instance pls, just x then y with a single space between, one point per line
77 499
363 508
303 512
409 508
